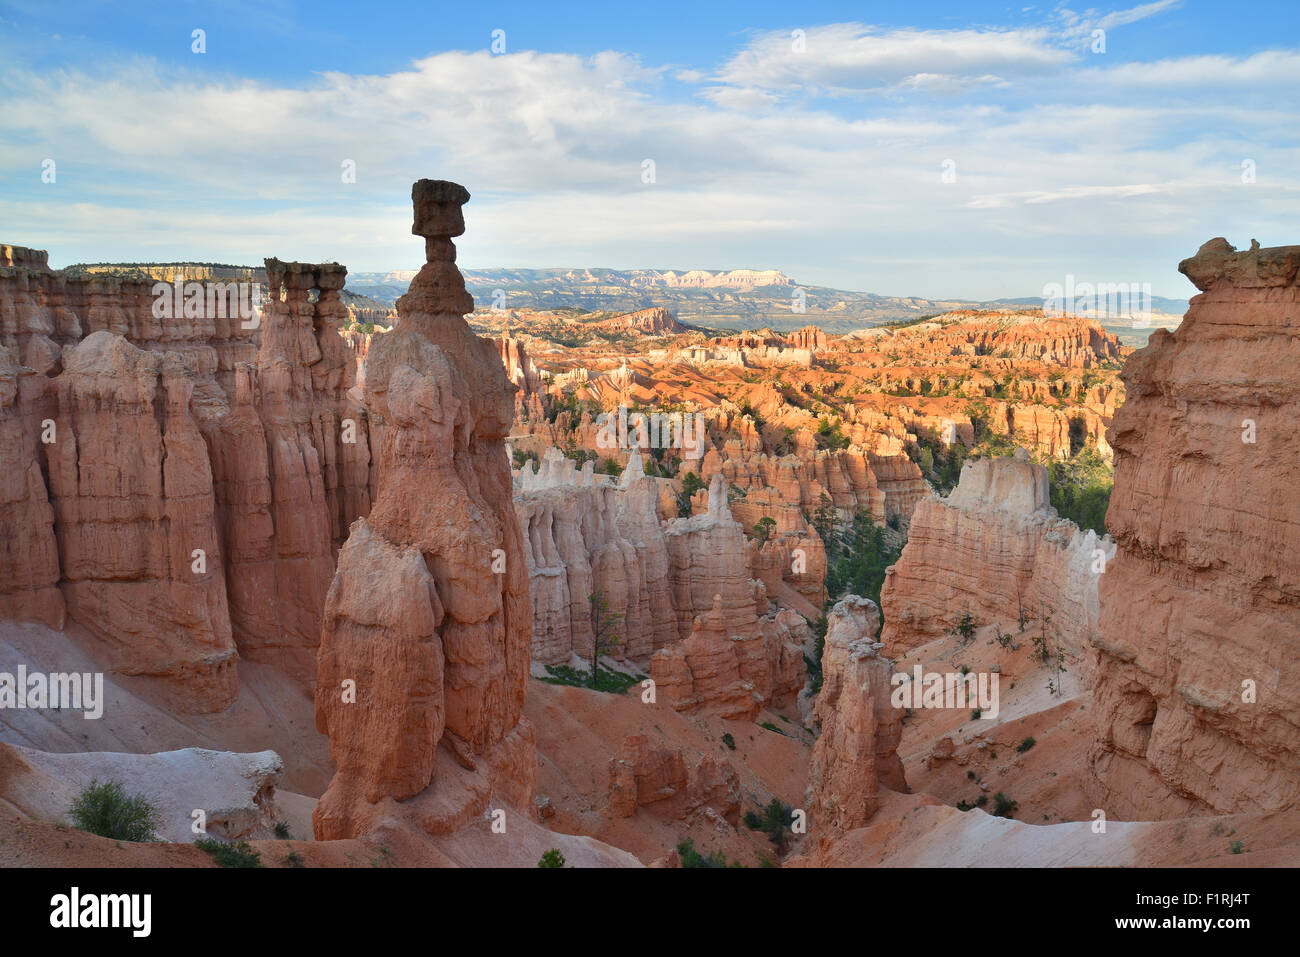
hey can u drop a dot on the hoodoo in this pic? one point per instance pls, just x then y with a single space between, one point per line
425 648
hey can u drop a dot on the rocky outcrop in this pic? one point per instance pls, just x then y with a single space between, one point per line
645 773
171 447
424 653
995 549
234 792
856 753
1198 686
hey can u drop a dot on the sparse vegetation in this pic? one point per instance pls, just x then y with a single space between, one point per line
1003 806
612 682
1025 745
552 858
690 857
229 854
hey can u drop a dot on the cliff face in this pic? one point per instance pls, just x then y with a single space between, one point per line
1201 606
582 536
994 548
197 462
857 751
428 619
690 610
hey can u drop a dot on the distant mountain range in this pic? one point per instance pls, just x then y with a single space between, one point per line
734 299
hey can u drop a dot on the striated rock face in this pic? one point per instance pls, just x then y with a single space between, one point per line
429 611
857 752
1202 602
187 457
584 535
292 466
995 548
29 554
133 501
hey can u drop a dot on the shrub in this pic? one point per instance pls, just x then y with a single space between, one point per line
690 857
282 831
552 858
1025 745
294 859
229 855
105 809
728 740
777 816
1003 806
753 821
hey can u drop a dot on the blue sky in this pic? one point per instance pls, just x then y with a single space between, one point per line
822 154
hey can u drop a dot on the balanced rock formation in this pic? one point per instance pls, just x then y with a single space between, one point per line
1198 686
856 753
424 654
994 549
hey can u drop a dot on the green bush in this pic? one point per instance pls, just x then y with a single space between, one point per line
777 817
691 483
1025 745
105 809
552 858
226 854
1003 806
728 740
690 857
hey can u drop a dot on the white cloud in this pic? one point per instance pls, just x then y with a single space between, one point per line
846 58
1087 159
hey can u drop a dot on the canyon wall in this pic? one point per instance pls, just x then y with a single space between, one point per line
995 549
1198 688
585 535
164 455
690 610
424 654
